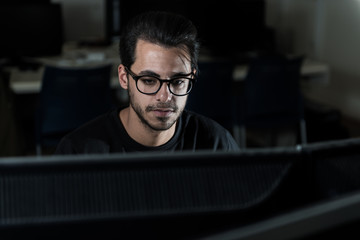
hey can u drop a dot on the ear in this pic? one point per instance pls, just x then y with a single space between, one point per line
122 74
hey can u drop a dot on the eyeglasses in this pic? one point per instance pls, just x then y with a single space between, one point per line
149 85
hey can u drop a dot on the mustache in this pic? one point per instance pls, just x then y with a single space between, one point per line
171 106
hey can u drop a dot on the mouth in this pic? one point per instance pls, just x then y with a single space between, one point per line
163 112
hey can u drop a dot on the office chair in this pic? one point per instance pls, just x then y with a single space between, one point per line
211 94
10 141
68 98
271 100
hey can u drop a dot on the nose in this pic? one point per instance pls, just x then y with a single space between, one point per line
164 94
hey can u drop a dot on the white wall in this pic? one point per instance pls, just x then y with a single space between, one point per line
294 24
340 48
83 19
329 31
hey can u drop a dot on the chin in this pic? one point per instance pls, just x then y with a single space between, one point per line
165 124
162 127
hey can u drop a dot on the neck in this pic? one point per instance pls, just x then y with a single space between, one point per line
142 133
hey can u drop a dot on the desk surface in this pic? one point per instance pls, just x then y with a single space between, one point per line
309 68
27 82
23 82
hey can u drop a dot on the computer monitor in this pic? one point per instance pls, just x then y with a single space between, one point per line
225 28
144 195
30 30
183 194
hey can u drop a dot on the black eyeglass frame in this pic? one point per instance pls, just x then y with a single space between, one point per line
168 81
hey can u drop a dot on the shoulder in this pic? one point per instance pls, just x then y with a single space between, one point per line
96 126
192 119
89 137
207 132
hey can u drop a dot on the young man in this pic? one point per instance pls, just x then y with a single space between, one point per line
159 53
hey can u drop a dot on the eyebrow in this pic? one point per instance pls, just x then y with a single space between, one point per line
148 73
151 73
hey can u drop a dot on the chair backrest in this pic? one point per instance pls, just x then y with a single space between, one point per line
10 141
272 93
211 95
71 96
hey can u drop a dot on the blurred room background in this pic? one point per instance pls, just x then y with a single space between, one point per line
85 32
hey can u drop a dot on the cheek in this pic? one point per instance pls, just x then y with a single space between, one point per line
133 92
181 102
138 98
133 95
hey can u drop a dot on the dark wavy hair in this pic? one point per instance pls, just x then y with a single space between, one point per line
162 28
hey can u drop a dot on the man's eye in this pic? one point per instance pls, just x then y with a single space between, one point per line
178 82
149 81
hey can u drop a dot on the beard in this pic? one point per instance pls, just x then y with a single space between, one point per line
163 123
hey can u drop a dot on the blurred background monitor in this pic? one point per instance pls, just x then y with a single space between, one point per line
225 27
30 30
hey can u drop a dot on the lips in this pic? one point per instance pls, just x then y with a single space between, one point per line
163 112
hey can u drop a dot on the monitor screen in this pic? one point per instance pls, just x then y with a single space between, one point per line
30 30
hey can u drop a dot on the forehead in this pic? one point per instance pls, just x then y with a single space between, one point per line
161 59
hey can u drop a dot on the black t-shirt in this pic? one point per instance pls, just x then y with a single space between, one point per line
106 134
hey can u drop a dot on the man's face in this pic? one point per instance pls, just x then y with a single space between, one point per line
159 111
